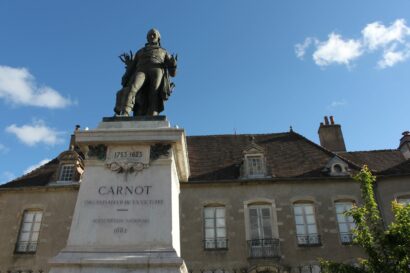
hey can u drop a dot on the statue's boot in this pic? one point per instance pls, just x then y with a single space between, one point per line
117 111
127 111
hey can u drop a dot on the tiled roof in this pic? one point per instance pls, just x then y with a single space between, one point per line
400 169
220 157
377 160
38 177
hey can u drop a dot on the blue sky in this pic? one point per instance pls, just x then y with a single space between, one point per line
244 66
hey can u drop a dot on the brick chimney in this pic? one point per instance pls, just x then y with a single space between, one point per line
330 136
405 144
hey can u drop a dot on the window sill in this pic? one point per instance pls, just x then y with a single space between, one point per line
215 249
309 245
24 253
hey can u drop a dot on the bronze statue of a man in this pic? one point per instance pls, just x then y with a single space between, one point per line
146 82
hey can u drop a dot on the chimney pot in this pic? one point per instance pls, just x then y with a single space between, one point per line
404 146
326 121
332 121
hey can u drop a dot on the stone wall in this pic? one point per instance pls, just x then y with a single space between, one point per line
57 204
236 195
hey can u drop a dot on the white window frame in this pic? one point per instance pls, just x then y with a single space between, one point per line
261 221
404 200
27 239
251 167
63 175
346 237
265 243
307 233
215 236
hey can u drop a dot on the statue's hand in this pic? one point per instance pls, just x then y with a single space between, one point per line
126 58
173 60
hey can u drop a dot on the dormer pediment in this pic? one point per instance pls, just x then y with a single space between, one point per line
337 167
254 149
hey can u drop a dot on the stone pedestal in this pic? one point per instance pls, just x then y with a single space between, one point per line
126 217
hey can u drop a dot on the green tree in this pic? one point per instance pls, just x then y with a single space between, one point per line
387 249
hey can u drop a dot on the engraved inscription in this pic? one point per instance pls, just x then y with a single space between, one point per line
120 230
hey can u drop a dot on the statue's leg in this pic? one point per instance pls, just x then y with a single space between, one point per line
155 78
135 87
119 102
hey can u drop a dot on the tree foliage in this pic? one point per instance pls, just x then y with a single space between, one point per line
387 249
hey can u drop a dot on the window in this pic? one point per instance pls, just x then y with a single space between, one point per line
66 172
403 200
260 222
337 168
29 231
215 229
306 229
261 243
346 223
255 166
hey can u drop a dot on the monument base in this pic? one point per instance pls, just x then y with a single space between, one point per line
126 217
118 262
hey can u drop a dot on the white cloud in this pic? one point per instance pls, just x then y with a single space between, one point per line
337 50
6 176
338 103
35 133
35 166
19 87
392 41
300 49
376 35
3 149
391 57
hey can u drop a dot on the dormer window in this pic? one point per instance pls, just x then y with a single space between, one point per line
254 162
70 168
337 167
255 165
66 173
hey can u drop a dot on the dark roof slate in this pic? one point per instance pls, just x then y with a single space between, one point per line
400 169
220 157
377 160
38 177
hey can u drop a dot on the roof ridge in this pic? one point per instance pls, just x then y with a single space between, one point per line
29 173
227 135
370 151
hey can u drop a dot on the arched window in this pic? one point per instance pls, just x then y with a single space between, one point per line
345 222
261 239
215 228
305 221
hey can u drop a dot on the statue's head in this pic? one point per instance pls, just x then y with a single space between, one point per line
153 36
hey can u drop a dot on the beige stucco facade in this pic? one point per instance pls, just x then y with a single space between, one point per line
236 196
57 204
389 189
